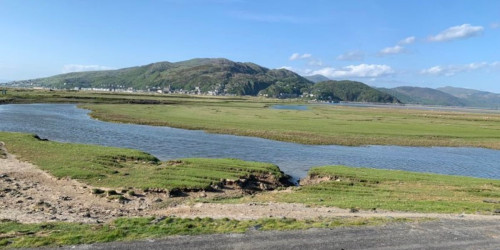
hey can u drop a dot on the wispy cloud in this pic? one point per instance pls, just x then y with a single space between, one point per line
355 55
457 32
451 70
79 68
315 62
298 56
361 71
391 50
495 25
408 40
398 48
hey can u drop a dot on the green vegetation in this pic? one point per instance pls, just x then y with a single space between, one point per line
217 74
366 188
350 91
13 234
115 168
321 124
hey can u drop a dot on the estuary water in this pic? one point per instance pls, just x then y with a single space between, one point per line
67 123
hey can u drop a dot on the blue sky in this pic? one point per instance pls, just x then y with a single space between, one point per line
381 43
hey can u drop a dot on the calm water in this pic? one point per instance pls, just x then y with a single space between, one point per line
291 107
66 123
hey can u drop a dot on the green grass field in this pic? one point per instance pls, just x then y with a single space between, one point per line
251 116
322 124
366 188
15 235
119 168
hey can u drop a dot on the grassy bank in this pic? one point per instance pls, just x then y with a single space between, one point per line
118 168
251 116
366 188
322 124
14 234
22 96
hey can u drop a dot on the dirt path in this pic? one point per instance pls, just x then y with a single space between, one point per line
28 194
299 211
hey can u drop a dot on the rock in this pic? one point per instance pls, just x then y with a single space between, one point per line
354 210
158 219
497 211
492 201
65 198
158 200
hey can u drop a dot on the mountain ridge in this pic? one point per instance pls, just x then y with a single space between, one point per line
217 75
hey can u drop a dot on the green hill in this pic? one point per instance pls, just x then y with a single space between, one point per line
217 75
475 98
350 91
425 96
317 78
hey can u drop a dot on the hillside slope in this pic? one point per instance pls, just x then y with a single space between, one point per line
426 96
208 74
475 98
317 78
350 91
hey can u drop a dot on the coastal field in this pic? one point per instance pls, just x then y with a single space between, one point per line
126 168
339 186
252 116
376 189
119 194
320 124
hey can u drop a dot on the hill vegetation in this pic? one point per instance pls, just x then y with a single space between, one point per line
216 75
350 91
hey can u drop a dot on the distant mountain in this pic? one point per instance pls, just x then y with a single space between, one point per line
475 98
425 96
317 78
218 75
350 91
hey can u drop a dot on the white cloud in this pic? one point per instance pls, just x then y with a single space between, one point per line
451 70
315 62
356 55
495 25
408 40
79 68
297 56
457 32
361 70
392 50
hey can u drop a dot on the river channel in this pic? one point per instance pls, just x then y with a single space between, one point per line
67 123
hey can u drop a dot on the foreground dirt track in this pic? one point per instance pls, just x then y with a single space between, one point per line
441 234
